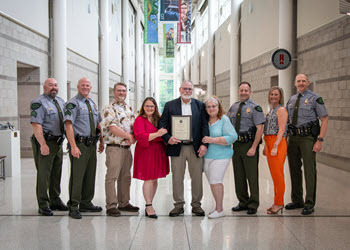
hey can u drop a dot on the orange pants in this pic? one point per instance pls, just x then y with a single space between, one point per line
276 165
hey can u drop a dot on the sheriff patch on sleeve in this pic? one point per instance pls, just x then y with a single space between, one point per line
258 108
33 113
35 105
69 107
320 100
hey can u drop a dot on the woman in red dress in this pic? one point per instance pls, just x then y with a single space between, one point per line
150 160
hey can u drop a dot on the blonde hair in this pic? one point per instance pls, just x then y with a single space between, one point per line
281 94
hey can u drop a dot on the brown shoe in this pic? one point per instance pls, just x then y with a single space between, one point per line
176 211
129 208
198 211
113 212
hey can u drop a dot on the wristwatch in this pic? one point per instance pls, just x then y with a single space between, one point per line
319 138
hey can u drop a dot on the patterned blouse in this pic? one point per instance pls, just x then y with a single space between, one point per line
117 114
271 124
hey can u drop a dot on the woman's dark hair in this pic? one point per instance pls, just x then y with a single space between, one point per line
155 116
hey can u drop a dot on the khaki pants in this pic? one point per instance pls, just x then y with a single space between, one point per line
118 162
195 167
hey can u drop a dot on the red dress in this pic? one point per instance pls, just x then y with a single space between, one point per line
150 160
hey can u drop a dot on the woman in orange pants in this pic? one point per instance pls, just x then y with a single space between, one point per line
275 132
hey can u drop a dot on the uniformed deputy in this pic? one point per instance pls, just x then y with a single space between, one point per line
46 118
82 125
305 139
248 119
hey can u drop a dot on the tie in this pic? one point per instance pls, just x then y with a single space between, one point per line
295 113
91 118
238 117
60 116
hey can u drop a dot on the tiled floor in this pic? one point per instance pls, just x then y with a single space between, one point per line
328 228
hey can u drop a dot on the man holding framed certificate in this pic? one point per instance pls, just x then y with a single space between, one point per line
186 121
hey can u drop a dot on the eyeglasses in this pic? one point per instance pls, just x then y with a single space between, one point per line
121 91
150 106
212 107
187 89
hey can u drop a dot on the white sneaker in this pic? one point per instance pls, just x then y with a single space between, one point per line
212 211
216 214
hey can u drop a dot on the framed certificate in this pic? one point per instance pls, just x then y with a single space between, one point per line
181 126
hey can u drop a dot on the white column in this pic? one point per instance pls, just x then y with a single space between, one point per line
60 46
234 51
210 49
195 71
188 62
285 38
176 66
156 75
147 67
181 66
138 65
126 51
103 92
152 70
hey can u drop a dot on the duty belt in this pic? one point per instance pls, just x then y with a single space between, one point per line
53 138
310 128
247 136
87 140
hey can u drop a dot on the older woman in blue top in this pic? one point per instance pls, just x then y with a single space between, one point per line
219 153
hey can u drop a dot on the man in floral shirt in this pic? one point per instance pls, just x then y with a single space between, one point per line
118 119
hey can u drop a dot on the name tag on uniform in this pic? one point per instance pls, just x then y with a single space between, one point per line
50 108
83 108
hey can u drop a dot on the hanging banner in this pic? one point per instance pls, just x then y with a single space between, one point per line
184 26
169 10
151 21
169 43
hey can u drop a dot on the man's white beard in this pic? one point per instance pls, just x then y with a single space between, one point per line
186 97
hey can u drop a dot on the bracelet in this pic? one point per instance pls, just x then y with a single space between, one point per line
275 146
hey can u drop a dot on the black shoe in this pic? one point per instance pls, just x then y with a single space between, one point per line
46 211
91 208
292 205
60 207
239 208
153 216
251 210
75 214
176 211
307 210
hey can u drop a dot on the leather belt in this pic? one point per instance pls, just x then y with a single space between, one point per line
118 145
187 142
